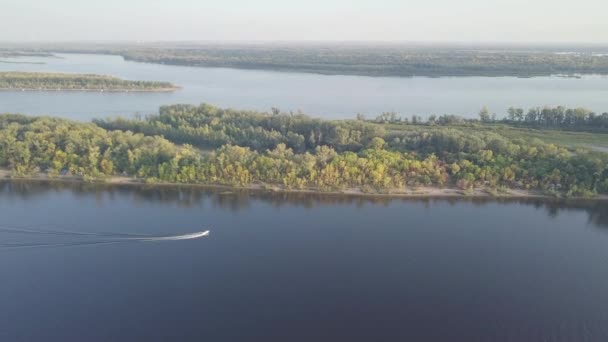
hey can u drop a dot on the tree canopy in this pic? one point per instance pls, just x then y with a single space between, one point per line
209 145
60 81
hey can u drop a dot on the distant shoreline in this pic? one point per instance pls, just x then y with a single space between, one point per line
340 70
357 73
416 192
77 82
15 62
59 90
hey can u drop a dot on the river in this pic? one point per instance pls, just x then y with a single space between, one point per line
99 263
279 267
333 97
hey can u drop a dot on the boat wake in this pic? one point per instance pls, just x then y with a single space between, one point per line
190 236
108 238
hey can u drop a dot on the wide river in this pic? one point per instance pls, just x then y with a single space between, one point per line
297 267
317 95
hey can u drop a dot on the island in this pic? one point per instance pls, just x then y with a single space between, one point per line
359 58
13 57
382 60
544 152
38 81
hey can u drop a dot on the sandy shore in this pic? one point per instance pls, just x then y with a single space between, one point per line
421 192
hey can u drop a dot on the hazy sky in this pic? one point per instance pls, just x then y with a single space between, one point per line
392 20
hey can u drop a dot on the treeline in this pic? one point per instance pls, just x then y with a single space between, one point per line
59 81
207 126
16 53
57 146
378 60
558 117
373 59
572 119
337 155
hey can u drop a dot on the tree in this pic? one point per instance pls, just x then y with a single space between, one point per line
512 113
259 148
484 114
377 143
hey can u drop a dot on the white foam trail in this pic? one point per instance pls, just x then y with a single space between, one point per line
25 230
108 240
190 236
112 236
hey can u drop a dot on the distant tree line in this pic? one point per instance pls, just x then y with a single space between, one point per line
559 117
377 60
10 53
403 60
573 119
59 81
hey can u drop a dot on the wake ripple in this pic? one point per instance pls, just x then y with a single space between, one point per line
26 230
109 238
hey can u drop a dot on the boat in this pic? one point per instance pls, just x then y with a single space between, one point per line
190 236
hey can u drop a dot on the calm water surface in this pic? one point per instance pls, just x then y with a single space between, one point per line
318 95
299 268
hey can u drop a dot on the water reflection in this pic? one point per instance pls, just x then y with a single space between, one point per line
239 199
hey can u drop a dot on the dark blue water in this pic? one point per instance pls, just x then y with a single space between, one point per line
318 95
300 268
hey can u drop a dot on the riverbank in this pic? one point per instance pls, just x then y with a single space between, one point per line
414 192
109 90
16 62
44 81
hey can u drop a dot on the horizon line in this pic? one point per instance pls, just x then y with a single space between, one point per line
303 41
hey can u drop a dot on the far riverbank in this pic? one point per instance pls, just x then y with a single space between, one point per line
414 192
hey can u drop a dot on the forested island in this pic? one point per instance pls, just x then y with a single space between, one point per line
38 81
381 61
208 145
17 53
12 54
367 59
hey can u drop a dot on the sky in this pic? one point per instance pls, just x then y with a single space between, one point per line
580 21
